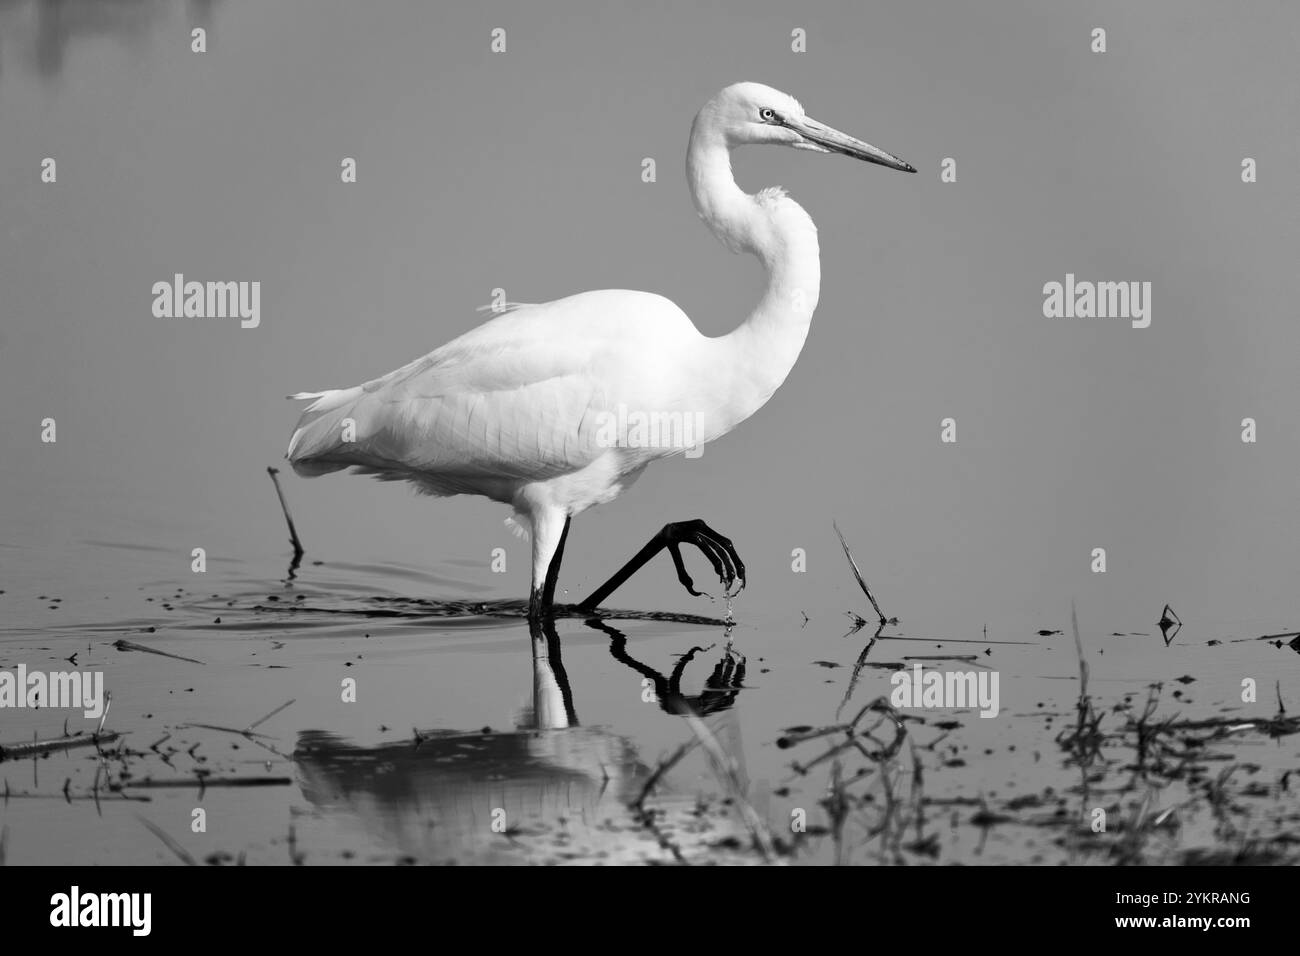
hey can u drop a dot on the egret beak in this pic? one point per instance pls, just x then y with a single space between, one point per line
823 139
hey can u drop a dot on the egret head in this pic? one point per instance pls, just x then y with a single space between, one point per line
750 113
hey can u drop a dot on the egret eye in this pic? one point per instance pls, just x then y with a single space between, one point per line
767 115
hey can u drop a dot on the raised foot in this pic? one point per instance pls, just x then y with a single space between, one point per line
717 548
714 546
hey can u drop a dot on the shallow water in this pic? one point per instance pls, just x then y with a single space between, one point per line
459 716
225 165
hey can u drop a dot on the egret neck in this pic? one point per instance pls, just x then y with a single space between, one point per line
750 363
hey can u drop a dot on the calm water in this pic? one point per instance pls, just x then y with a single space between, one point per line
451 718
225 166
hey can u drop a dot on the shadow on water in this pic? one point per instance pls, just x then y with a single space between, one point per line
548 791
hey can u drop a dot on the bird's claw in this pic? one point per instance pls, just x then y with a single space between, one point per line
729 671
718 549
675 550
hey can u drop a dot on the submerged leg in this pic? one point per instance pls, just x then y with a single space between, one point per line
552 696
553 569
718 549
550 529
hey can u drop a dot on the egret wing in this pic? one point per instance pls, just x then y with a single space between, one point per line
513 399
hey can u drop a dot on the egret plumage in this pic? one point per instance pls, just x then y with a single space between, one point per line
519 409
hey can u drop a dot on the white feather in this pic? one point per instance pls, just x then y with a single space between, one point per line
516 409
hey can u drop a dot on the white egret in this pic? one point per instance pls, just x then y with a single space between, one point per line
530 408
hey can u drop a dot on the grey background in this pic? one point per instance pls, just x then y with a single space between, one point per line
522 171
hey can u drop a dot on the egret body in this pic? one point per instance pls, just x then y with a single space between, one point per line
519 410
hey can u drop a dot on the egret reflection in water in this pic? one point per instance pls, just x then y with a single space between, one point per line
548 790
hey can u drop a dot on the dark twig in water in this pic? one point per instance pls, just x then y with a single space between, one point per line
861 583
72 797
886 827
204 783
857 672
948 640
228 730
108 702
1086 740
664 766
832 754
37 747
837 808
724 767
248 732
257 723
125 645
181 853
893 822
298 551
1078 647
918 793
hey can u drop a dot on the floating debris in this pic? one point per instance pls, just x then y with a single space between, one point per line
180 852
204 783
37 747
125 645
1170 625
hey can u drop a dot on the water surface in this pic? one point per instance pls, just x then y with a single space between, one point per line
522 172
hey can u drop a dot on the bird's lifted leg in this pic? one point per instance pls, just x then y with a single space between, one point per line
719 550
542 597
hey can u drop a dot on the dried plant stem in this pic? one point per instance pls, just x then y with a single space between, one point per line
298 551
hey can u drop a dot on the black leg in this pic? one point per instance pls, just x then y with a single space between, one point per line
720 690
718 549
553 569
542 601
